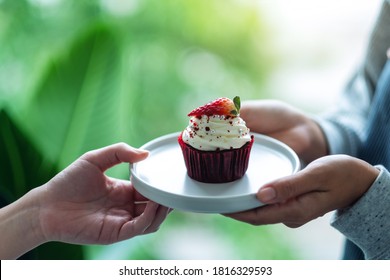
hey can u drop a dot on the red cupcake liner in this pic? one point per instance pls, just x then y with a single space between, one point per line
216 166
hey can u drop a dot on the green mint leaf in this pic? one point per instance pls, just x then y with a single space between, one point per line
237 103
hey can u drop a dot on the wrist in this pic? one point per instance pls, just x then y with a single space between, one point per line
33 198
20 226
367 176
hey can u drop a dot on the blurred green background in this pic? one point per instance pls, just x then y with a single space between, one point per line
79 75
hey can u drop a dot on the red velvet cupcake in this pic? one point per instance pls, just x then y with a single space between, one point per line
216 144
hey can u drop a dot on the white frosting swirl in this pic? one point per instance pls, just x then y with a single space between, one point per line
211 133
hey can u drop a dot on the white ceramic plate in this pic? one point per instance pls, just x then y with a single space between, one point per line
163 178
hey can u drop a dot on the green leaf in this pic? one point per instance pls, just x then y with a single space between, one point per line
75 107
237 103
59 251
22 165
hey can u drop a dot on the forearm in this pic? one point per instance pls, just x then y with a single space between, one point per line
19 226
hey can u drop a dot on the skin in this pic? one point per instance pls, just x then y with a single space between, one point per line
327 183
81 205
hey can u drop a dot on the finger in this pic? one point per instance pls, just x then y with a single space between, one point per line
269 214
293 213
248 216
287 187
112 155
154 216
161 214
140 224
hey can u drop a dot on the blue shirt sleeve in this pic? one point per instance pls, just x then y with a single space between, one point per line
367 222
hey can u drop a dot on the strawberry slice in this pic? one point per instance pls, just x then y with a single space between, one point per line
222 106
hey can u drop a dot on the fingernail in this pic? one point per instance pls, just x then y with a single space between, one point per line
266 194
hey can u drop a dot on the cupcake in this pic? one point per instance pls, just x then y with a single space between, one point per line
216 144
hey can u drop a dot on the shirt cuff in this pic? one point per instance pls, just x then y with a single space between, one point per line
366 223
